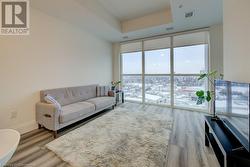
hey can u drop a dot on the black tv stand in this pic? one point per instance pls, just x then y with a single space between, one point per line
228 150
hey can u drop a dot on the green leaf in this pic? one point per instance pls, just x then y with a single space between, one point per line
200 100
221 76
208 97
208 93
212 73
202 76
200 93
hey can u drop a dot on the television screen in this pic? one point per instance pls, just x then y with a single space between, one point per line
232 104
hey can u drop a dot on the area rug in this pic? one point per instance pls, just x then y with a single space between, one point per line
120 138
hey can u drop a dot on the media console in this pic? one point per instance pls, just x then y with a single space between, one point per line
228 150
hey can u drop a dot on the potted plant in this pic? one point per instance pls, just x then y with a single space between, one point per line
114 84
209 94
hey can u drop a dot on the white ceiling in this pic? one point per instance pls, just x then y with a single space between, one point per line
103 17
130 9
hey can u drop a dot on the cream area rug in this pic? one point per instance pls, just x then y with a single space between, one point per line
120 138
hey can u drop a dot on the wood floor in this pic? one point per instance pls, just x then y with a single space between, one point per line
186 146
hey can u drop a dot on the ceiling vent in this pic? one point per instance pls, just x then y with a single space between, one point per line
189 14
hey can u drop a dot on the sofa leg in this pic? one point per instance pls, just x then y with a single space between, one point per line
55 134
39 126
113 107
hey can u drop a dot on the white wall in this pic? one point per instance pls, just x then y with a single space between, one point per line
55 54
216 48
237 40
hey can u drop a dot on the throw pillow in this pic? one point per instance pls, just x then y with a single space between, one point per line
51 100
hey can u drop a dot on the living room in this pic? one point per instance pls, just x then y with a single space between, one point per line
124 83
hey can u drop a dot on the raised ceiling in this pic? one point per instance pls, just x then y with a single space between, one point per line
113 20
131 9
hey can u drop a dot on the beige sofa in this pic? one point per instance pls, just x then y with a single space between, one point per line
76 103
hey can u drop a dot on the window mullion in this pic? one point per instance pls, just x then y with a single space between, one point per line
143 73
172 72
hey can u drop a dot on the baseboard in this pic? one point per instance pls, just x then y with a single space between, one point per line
26 127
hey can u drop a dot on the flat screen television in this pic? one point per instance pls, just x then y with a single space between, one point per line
232 105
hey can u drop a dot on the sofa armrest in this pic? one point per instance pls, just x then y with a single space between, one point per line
47 115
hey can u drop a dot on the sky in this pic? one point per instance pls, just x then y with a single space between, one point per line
187 60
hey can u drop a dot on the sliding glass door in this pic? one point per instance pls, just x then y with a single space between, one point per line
165 70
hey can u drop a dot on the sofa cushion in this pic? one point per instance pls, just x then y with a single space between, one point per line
102 91
70 95
74 111
82 93
102 102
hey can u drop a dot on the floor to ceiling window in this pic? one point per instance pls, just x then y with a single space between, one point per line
165 70
132 71
157 71
189 60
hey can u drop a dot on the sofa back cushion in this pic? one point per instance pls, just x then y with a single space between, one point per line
102 91
70 95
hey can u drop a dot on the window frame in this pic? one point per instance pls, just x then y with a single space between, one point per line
206 58
121 74
145 75
172 74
